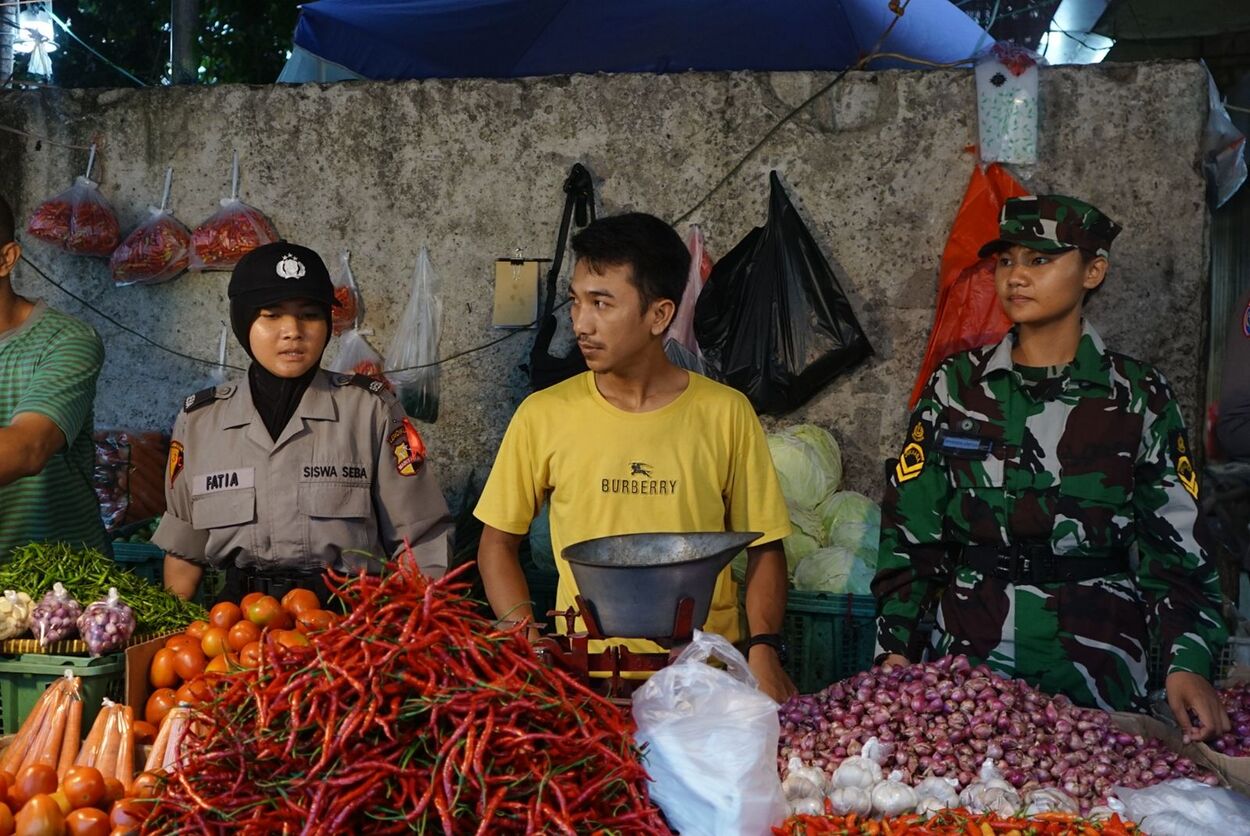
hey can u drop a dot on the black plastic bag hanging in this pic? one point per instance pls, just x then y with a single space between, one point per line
772 321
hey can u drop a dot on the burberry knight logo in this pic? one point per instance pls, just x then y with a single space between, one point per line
640 469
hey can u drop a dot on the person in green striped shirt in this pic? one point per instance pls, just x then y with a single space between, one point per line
49 363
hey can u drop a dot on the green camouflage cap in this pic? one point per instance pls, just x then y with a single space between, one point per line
1052 223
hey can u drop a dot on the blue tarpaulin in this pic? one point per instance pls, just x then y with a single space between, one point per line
396 39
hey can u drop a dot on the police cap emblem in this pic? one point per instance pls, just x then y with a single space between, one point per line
290 267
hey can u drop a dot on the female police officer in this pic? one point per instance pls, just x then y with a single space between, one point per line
1029 470
294 469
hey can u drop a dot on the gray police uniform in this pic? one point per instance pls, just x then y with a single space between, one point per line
341 479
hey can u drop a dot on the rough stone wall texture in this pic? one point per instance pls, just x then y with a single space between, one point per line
473 168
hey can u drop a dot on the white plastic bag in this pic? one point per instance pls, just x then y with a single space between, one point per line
413 353
710 740
1007 104
348 312
1185 807
356 356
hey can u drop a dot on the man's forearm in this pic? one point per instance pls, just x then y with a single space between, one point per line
506 588
23 449
766 588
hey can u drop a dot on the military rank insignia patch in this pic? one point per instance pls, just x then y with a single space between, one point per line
917 432
1184 466
176 461
910 462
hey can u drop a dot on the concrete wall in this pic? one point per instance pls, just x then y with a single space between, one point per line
473 169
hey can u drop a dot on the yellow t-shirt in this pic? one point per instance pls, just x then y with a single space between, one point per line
699 463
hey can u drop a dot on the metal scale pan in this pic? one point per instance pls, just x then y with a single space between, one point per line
633 583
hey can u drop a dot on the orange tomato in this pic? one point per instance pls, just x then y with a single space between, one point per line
214 642
40 817
264 611
224 615
248 599
147 785
314 620
161 672
62 801
115 789
300 600
189 662
35 779
241 635
196 629
249 654
224 663
195 691
145 732
290 638
128 813
158 705
88 822
84 786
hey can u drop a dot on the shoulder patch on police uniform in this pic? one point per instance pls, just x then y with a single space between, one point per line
176 461
200 399
910 462
364 381
408 448
1185 472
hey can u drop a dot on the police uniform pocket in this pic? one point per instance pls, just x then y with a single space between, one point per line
223 510
331 501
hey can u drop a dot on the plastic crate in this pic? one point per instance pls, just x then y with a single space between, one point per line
24 678
143 559
830 637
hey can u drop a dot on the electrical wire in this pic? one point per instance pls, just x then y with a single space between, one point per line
44 138
65 28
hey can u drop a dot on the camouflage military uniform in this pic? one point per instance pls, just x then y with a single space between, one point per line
1088 458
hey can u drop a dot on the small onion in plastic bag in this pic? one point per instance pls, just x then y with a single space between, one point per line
55 619
107 625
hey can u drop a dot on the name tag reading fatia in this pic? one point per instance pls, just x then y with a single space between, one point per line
223 480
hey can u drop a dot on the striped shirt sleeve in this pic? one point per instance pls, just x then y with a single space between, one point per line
63 385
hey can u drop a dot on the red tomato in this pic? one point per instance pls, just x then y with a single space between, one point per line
248 600
161 673
196 629
147 785
225 663
145 732
241 635
175 642
40 817
224 615
88 822
115 789
195 691
84 786
189 662
313 621
158 705
290 638
35 779
128 813
264 611
249 655
214 642
300 601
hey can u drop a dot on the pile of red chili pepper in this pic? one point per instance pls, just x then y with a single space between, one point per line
78 219
232 232
156 251
955 822
412 713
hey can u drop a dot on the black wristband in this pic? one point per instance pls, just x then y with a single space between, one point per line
773 640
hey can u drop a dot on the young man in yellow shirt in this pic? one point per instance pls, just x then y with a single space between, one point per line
637 444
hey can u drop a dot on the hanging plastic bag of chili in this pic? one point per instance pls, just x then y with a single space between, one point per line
232 232
78 220
158 250
356 356
348 312
413 353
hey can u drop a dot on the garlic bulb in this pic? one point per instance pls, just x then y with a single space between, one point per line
846 800
892 797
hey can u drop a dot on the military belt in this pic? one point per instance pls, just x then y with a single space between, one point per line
1035 563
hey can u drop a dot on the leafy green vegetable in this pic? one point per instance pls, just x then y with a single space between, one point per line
834 569
87 575
808 463
852 520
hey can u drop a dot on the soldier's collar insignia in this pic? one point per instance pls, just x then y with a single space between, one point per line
910 463
917 433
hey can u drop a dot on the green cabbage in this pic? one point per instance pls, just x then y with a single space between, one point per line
808 463
834 569
851 520
803 539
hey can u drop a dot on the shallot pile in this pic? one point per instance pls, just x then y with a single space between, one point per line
947 717
1236 742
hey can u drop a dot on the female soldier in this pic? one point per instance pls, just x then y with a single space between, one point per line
1030 469
295 469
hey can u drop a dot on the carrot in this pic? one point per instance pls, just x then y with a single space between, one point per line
73 734
126 751
156 758
41 739
90 751
106 761
21 744
176 732
50 753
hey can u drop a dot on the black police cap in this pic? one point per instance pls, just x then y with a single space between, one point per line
279 271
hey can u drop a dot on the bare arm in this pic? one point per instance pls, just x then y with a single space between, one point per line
766 610
26 445
181 576
506 589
